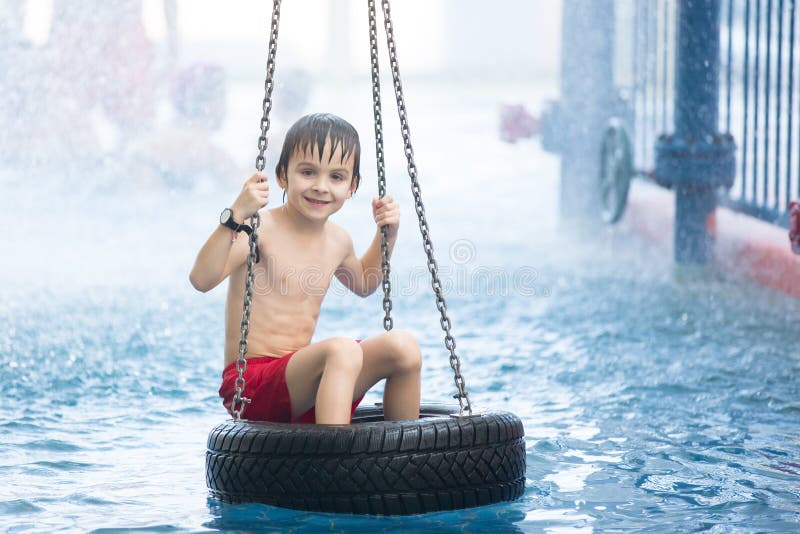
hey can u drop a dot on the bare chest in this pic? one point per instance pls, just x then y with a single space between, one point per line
297 269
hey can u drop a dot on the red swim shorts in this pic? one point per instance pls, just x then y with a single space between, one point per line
265 386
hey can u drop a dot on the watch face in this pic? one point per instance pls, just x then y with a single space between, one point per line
225 216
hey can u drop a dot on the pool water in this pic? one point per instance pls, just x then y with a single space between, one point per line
652 399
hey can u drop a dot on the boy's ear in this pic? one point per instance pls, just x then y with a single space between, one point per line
281 178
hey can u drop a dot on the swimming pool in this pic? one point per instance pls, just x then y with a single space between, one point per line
651 399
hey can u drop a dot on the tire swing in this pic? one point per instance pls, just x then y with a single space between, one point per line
442 461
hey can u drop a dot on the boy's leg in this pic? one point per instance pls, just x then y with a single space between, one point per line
324 375
396 357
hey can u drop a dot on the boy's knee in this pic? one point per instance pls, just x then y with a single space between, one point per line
406 350
344 354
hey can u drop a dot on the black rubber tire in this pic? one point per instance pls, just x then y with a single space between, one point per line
371 466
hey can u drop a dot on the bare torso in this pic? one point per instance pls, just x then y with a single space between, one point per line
291 280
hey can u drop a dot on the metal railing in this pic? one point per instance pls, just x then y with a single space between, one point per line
758 104
652 60
758 93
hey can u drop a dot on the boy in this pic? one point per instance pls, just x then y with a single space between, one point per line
289 379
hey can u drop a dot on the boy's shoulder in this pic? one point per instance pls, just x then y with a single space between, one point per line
341 240
338 234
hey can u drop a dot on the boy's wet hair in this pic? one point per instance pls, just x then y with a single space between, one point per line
312 131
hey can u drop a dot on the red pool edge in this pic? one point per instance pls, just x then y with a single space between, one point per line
743 245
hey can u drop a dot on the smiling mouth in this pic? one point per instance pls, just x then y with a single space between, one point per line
317 202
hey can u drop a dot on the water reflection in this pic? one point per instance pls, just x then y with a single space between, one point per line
264 518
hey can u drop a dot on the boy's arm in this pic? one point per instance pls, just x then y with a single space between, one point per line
221 255
363 276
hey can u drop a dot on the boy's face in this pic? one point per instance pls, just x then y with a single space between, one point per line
318 186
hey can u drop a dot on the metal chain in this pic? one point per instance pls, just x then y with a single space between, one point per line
239 400
449 341
376 109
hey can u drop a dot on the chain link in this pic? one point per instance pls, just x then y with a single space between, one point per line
449 341
239 400
376 109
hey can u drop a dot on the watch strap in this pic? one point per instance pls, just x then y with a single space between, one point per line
243 228
236 227
233 225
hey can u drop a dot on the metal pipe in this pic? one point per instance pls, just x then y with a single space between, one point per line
696 125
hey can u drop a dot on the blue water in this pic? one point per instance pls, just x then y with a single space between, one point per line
652 399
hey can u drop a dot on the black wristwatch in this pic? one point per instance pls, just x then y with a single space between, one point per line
226 219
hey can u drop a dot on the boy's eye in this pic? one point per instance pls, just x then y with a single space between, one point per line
307 172
338 177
